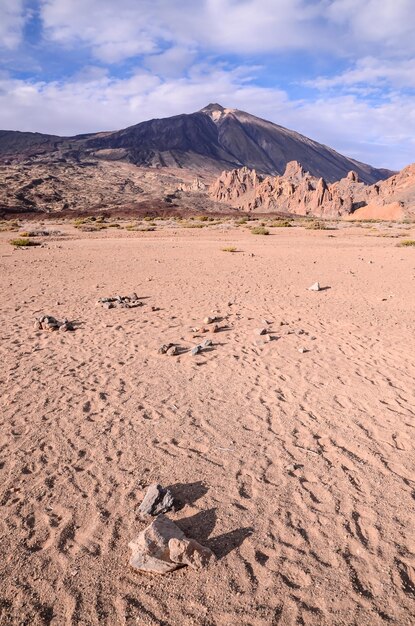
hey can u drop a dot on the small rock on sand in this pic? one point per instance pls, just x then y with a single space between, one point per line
261 331
157 500
315 287
173 351
162 548
209 320
164 348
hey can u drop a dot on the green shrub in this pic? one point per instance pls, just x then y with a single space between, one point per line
229 249
22 242
406 243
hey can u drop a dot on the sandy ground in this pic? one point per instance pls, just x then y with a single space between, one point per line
297 469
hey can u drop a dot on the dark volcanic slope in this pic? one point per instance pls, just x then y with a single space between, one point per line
209 140
230 138
14 142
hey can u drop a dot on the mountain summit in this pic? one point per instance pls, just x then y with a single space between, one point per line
213 139
218 138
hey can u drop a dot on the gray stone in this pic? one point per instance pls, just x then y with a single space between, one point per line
196 350
157 500
162 547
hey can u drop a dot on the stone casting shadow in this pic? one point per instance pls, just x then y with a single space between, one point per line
200 527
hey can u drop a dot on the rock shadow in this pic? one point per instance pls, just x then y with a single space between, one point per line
200 527
187 493
223 544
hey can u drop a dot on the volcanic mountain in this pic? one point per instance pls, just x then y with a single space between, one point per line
208 141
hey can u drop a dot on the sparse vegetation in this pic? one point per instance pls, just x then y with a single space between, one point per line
229 249
91 219
23 242
131 226
316 225
6 226
241 221
281 224
259 230
406 243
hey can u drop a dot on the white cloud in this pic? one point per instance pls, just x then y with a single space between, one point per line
113 30
126 28
372 72
387 23
12 20
119 30
379 134
172 62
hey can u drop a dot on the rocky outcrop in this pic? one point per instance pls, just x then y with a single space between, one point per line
300 193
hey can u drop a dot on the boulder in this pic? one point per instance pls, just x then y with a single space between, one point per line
150 550
162 547
189 552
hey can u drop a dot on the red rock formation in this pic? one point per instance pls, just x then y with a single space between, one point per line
298 192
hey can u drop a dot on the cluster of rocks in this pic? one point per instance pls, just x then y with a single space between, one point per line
48 322
207 343
163 547
172 349
122 302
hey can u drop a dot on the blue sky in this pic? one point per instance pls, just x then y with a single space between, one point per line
339 71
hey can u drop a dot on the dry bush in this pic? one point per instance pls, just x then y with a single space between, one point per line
259 230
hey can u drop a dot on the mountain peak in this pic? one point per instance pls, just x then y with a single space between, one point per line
212 107
216 111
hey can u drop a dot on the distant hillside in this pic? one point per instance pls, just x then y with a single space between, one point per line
210 140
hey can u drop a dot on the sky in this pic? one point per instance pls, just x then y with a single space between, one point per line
339 71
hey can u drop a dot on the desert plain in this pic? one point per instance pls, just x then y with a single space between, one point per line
290 454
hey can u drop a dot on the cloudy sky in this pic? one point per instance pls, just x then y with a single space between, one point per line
339 71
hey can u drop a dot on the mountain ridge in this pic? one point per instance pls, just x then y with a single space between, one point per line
213 138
